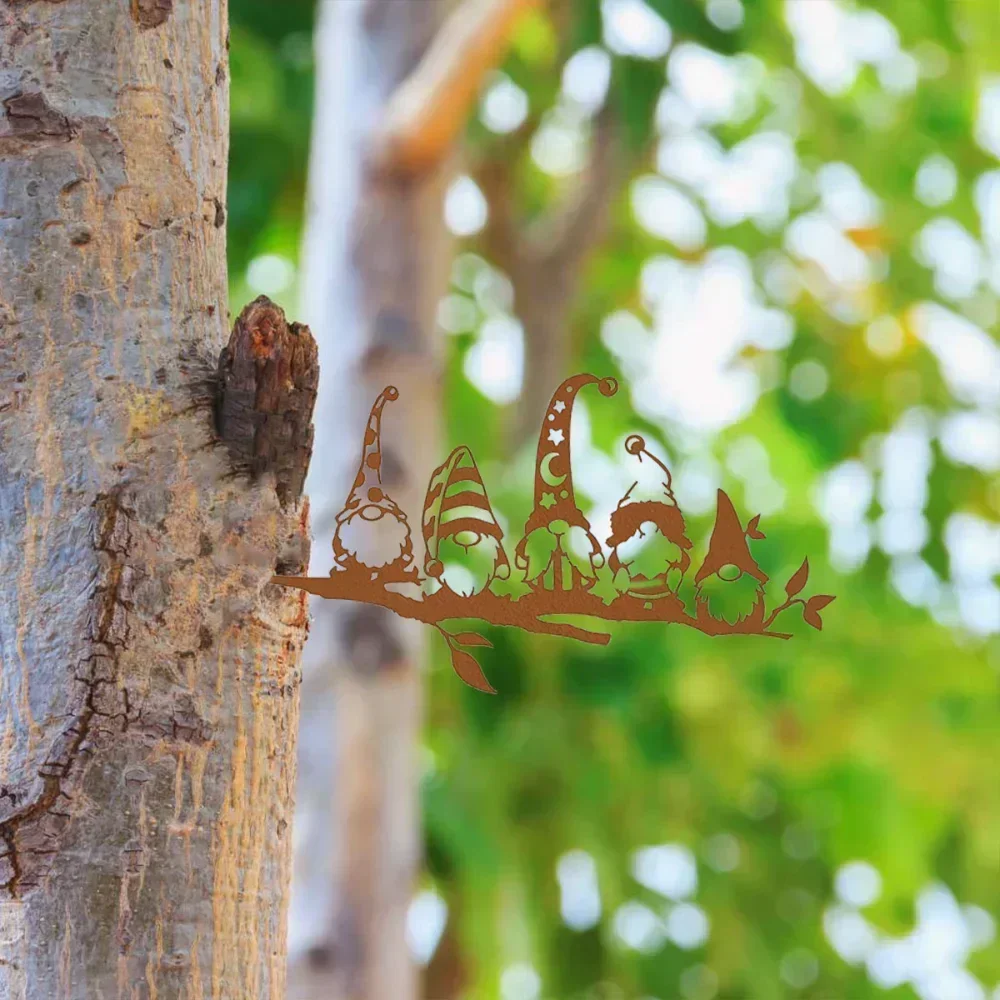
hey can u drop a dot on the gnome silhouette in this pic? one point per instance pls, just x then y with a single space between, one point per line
729 587
372 536
556 533
649 542
464 540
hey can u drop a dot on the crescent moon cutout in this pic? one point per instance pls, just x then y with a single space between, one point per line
545 468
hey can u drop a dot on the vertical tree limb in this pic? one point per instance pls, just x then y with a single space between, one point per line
545 261
377 258
377 261
427 113
148 670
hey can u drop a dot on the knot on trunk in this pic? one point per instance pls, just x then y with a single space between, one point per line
31 117
151 13
268 377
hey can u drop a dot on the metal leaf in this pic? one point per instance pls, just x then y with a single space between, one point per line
471 639
819 602
469 670
798 580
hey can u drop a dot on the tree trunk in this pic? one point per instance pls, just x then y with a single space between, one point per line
377 259
148 670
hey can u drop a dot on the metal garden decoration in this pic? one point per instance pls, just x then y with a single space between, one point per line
558 559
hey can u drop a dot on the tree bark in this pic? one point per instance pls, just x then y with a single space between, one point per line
377 259
148 669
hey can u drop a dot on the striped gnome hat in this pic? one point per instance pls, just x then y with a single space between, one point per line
457 503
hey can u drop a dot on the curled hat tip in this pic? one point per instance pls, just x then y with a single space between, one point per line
391 392
608 386
634 444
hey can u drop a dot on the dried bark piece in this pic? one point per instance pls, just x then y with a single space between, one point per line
268 378
151 13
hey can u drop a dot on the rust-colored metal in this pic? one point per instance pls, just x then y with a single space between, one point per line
558 558
360 548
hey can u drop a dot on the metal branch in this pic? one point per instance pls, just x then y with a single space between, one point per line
437 609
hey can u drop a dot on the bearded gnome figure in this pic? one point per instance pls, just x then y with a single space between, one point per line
650 549
729 587
559 552
463 538
565 574
372 536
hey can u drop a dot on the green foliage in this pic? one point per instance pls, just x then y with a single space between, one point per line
775 763
271 65
688 19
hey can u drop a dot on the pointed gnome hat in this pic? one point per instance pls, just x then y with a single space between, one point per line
457 501
554 495
728 544
367 491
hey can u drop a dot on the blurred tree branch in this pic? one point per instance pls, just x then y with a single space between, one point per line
429 110
565 238
545 260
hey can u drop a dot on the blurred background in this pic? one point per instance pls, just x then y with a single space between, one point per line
777 222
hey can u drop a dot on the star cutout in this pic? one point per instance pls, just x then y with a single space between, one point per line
559 407
556 436
548 500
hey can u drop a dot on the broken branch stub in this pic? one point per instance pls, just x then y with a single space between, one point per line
268 378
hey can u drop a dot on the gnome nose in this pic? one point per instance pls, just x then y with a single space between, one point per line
466 539
372 513
730 573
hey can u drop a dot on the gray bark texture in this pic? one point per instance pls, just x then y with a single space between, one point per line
377 257
149 671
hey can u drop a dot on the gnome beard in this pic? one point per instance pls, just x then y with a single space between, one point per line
470 561
560 557
648 541
730 596
375 539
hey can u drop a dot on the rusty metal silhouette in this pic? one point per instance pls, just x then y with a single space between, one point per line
558 558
